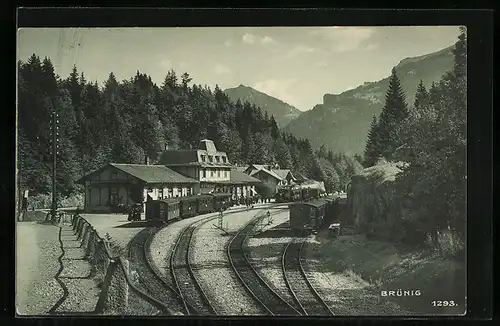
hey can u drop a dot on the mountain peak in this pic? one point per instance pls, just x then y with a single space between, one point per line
342 121
283 112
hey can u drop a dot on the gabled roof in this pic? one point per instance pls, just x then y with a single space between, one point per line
300 176
271 173
283 173
190 157
240 177
239 168
179 156
146 173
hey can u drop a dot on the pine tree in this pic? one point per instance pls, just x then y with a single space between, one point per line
393 113
373 147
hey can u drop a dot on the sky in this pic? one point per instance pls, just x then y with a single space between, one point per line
295 64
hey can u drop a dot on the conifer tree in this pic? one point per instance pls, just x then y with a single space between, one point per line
393 113
372 149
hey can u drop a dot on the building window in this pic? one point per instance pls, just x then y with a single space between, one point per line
218 173
113 176
223 159
170 192
188 192
210 158
203 158
225 174
179 192
160 193
204 173
212 173
217 158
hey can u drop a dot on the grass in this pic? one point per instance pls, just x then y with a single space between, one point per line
386 266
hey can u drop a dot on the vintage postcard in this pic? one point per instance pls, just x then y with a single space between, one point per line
241 171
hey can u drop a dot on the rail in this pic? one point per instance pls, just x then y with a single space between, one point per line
297 282
271 302
105 263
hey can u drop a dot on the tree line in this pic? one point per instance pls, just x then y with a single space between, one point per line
428 140
124 121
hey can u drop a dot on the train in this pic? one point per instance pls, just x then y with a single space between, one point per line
316 214
292 194
165 210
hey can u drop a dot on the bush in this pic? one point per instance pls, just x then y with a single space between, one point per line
74 200
449 244
44 201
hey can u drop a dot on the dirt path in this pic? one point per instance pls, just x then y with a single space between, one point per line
37 250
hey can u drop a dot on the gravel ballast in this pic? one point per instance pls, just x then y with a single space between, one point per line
347 295
265 252
213 270
37 251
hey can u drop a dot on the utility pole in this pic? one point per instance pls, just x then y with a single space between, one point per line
55 152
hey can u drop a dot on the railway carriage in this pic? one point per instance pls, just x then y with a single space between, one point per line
205 204
162 210
188 206
307 216
221 200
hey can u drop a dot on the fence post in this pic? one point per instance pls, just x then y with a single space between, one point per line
85 237
116 287
90 250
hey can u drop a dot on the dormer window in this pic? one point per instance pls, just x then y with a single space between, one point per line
223 159
217 159
203 158
210 158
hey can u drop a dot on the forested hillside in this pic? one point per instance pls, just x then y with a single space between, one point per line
126 120
282 112
427 139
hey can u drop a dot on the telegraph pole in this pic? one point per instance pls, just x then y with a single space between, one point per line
55 148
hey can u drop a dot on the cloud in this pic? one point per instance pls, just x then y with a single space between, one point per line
344 39
166 63
221 69
299 50
249 38
228 43
267 40
253 39
279 88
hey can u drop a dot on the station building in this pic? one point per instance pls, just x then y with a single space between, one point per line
125 184
211 168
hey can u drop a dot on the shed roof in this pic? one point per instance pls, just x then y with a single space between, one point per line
146 173
283 173
240 177
271 173
314 203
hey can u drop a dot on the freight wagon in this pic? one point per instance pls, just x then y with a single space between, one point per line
307 216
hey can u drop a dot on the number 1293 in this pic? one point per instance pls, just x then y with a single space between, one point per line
444 303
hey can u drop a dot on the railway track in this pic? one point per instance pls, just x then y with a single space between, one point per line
304 294
149 280
264 295
183 276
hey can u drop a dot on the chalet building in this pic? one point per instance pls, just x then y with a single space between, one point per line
287 176
211 168
126 184
270 180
